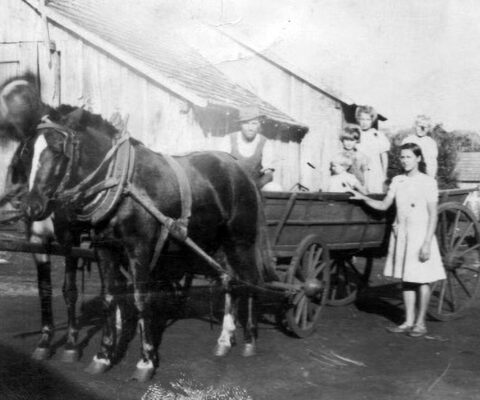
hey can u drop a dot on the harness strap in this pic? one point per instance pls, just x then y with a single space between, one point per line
72 192
159 246
173 228
184 187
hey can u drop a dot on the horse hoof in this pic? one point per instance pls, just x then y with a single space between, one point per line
221 350
249 350
70 356
98 366
41 353
144 371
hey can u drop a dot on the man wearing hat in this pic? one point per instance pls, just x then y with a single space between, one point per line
251 148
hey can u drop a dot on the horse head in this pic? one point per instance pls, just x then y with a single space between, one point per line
21 108
21 105
64 153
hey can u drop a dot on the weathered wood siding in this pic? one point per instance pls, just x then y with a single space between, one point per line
83 75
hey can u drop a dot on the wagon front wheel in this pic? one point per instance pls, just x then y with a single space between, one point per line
458 235
309 269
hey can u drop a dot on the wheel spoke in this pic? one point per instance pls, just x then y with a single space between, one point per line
319 269
441 296
454 229
443 226
316 259
464 235
354 268
475 247
304 314
311 256
299 310
454 273
452 294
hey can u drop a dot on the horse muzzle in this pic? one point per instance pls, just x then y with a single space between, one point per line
35 208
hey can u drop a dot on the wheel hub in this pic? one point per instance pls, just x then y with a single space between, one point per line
313 287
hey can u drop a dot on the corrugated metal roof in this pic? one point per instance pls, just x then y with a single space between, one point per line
142 33
468 167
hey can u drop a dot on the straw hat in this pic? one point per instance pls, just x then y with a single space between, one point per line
249 112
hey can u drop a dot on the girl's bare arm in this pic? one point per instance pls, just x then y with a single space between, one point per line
381 205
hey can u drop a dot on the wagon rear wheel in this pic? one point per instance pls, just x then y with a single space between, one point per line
348 275
310 268
458 235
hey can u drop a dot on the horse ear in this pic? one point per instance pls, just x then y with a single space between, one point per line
75 118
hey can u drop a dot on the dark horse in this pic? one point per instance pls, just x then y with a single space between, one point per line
21 110
223 221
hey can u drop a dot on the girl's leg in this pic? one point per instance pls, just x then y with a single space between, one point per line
409 299
424 299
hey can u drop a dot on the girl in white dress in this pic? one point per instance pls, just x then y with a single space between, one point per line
375 146
413 253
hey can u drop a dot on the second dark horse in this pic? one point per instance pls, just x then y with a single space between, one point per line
223 221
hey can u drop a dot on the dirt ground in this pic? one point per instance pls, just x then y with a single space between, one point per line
350 356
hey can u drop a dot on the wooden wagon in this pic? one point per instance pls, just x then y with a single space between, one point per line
316 241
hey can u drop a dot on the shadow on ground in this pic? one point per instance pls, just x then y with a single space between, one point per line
23 378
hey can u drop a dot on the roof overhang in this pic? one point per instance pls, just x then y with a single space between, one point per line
120 55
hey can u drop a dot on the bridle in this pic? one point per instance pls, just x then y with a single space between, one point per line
77 195
69 150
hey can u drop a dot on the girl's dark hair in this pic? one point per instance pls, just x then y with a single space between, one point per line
415 149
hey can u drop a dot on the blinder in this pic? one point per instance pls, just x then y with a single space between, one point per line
69 144
69 149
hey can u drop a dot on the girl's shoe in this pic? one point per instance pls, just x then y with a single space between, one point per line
404 328
417 331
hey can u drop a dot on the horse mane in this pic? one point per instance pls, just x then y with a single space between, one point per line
87 120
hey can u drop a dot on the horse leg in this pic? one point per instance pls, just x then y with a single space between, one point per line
248 319
141 289
243 257
102 361
44 280
70 295
227 337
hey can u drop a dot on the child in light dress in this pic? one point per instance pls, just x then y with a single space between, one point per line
340 179
423 126
413 252
375 146
350 138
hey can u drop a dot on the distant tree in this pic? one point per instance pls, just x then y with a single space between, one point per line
467 141
448 145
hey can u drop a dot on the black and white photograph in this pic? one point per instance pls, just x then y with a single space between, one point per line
239 199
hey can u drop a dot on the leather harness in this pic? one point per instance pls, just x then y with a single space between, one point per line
95 203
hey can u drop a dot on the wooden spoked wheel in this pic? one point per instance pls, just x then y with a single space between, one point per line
458 235
347 275
309 268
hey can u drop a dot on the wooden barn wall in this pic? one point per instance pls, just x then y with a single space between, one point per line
89 77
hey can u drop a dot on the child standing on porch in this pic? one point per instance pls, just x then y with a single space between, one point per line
375 146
